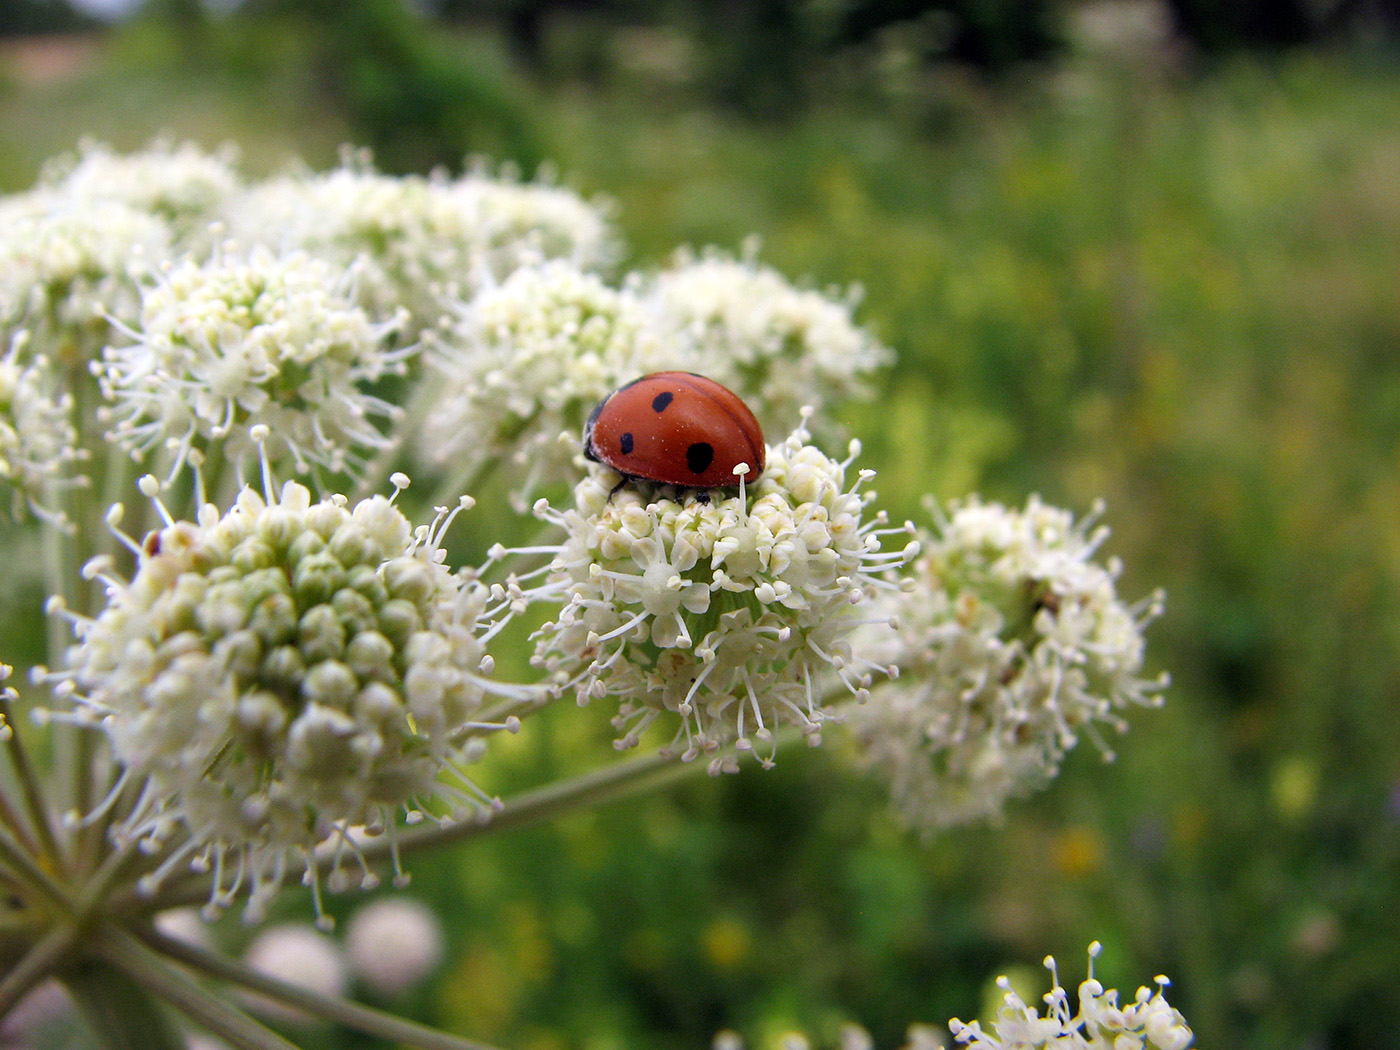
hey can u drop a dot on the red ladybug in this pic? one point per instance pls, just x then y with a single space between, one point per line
677 428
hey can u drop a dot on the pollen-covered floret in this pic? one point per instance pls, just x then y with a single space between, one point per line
732 611
282 673
242 340
1149 1022
779 346
526 361
1012 641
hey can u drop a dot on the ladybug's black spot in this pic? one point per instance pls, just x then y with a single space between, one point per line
699 456
626 443
660 401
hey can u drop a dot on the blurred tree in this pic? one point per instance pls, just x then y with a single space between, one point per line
1228 25
403 94
31 17
526 23
989 34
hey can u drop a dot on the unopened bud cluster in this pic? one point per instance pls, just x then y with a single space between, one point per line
283 672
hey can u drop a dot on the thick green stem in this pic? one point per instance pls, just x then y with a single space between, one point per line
155 975
32 792
594 788
120 1012
341 1011
40 961
29 871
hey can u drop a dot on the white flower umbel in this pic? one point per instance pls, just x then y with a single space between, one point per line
182 184
412 238
242 340
38 443
731 612
278 675
520 222
1149 1022
69 267
1012 641
528 360
777 345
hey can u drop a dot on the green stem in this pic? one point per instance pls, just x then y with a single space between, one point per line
453 485
36 964
28 869
120 1010
64 555
595 787
332 1008
13 820
156 976
379 468
30 788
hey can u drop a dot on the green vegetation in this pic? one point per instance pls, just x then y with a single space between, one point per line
1175 292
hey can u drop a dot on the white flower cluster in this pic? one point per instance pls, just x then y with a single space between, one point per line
236 342
127 263
732 612
279 674
748 327
528 359
38 443
77 246
1011 642
413 239
68 266
180 183
1149 1022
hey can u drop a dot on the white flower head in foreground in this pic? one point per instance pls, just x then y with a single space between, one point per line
281 674
69 268
777 345
732 613
1149 1022
526 361
1011 642
258 340
38 443
182 184
393 943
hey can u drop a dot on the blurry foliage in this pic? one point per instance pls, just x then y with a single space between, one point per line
1105 280
26 17
1229 25
401 92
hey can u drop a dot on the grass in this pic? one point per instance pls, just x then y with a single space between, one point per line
1175 291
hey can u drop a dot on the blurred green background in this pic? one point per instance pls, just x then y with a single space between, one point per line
1143 252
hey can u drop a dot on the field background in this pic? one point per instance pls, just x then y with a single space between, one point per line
1126 271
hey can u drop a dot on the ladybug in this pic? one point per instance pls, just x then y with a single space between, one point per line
676 428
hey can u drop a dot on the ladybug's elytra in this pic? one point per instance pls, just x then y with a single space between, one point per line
676 428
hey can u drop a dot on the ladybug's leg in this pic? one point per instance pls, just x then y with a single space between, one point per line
613 491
